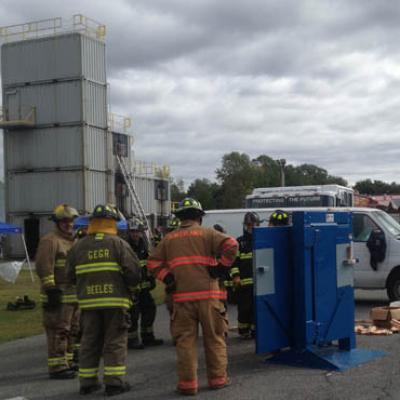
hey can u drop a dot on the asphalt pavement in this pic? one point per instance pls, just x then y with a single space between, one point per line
153 376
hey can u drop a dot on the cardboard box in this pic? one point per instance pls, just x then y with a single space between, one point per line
382 316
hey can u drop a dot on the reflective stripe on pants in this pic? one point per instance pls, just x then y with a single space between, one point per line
104 333
57 324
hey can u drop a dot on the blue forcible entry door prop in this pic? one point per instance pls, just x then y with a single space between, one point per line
304 294
272 260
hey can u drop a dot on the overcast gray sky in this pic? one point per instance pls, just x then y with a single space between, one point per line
312 81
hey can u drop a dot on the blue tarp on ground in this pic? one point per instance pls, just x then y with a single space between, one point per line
81 222
9 229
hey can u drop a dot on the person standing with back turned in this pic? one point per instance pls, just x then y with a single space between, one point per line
190 260
103 266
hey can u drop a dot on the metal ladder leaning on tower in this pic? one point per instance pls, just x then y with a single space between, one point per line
137 205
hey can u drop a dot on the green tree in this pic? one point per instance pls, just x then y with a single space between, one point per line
177 190
394 188
267 172
237 176
367 186
204 191
332 179
310 174
306 174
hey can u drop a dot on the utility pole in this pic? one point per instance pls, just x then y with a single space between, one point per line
282 162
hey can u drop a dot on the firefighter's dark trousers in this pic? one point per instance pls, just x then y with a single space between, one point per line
60 338
144 309
104 333
185 320
245 307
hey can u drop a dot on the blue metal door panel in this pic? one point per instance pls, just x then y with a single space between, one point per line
303 241
273 288
318 301
303 292
324 279
341 325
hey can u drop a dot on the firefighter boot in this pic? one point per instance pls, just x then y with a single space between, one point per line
64 374
221 385
114 390
89 389
186 392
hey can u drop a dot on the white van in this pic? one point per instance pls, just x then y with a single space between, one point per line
370 226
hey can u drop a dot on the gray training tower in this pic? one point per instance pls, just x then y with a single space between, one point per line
54 118
61 145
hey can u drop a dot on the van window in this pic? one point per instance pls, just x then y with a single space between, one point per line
362 227
388 222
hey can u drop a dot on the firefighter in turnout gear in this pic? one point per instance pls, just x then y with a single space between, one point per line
103 266
279 218
190 260
242 277
60 307
144 308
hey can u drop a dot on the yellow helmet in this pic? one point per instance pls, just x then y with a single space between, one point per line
64 211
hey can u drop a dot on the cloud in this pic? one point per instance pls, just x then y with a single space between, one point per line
311 81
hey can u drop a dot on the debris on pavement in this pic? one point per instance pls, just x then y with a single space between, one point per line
384 321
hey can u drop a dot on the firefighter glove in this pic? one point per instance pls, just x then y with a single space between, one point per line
170 285
219 272
54 297
236 281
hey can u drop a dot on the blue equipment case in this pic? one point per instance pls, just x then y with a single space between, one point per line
304 295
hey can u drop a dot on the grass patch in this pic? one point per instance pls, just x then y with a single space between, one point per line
20 324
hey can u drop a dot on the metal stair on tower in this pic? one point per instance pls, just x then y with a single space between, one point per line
137 206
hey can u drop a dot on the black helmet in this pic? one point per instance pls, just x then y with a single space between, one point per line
251 218
279 218
173 224
189 204
81 232
106 211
